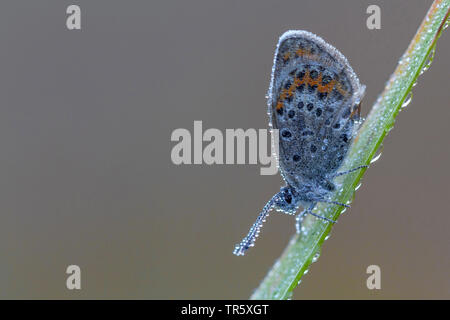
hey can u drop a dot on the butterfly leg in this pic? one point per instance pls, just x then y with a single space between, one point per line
336 203
349 171
299 217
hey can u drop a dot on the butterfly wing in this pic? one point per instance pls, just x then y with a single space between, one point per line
313 100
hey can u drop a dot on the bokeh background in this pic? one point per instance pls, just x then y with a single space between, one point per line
86 176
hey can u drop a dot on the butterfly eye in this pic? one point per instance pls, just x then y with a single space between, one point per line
288 198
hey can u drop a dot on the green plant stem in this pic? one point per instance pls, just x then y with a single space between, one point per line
304 248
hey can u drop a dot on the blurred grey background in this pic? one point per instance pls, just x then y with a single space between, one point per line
86 176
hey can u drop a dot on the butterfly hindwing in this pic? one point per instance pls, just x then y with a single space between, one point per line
313 101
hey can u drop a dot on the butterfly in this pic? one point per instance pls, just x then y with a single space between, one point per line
314 100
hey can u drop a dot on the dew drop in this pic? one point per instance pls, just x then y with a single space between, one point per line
446 24
407 100
316 257
304 231
376 157
429 60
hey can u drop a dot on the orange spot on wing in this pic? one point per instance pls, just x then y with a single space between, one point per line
300 52
286 56
283 94
311 82
291 89
318 82
327 87
305 79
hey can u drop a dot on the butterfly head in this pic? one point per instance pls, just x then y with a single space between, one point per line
287 200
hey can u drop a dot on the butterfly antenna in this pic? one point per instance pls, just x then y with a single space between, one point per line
249 240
